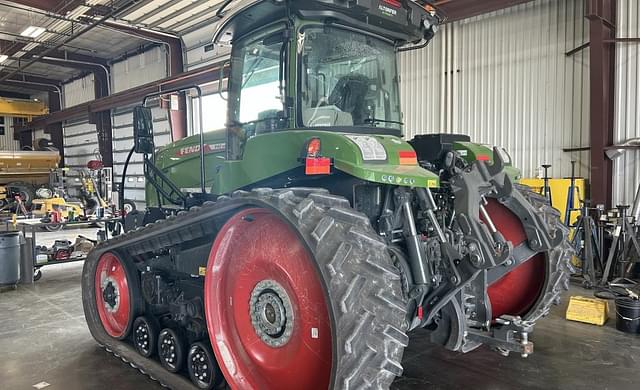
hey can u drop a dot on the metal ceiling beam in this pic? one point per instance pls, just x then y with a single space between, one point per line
113 13
34 86
22 40
209 14
13 95
602 20
65 55
463 9
131 96
148 15
60 7
182 11
36 79
137 7
10 47
173 43
23 75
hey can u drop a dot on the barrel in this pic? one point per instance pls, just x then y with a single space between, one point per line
628 315
10 258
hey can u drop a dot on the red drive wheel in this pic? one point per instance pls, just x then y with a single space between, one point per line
517 291
266 308
113 295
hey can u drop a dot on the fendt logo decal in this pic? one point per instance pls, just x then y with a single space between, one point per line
387 10
208 148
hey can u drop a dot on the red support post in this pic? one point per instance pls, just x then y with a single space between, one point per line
602 18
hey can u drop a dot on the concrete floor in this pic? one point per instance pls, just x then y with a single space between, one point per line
43 338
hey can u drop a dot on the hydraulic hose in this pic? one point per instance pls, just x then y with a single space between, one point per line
122 182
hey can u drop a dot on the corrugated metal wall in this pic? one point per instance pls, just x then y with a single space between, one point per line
134 71
122 143
194 43
6 140
80 137
626 176
79 91
504 79
139 69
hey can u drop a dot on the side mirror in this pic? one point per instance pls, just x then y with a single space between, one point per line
143 130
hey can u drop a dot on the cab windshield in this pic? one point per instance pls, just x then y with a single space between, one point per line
347 79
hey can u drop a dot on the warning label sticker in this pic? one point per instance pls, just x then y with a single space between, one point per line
371 148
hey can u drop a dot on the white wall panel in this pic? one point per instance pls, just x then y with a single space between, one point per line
7 143
421 83
122 143
139 69
195 42
504 79
79 91
134 71
80 143
626 176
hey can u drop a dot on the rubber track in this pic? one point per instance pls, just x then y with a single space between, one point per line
558 258
364 287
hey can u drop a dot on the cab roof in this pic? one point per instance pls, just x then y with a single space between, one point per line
402 21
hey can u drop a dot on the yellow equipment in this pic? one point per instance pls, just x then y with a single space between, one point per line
559 192
22 108
27 165
24 171
589 310
40 208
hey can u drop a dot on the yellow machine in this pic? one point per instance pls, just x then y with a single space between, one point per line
22 172
559 191
43 207
22 108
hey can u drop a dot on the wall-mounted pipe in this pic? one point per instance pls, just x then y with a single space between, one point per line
104 68
58 89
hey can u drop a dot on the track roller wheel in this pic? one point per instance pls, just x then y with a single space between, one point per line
115 300
171 350
302 294
203 369
145 335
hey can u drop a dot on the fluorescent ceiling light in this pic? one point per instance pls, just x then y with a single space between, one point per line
32 31
3 58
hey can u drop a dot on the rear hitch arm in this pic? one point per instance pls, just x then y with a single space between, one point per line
511 334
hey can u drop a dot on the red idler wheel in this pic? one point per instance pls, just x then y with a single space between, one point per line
113 296
517 291
265 305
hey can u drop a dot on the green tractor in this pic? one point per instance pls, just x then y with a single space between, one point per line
299 247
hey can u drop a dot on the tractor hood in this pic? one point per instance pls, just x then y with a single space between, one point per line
375 158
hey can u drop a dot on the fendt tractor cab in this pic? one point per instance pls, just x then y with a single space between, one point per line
300 246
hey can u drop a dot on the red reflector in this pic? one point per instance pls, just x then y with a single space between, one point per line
482 157
317 166
420 312
394 3
407 157
313 147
